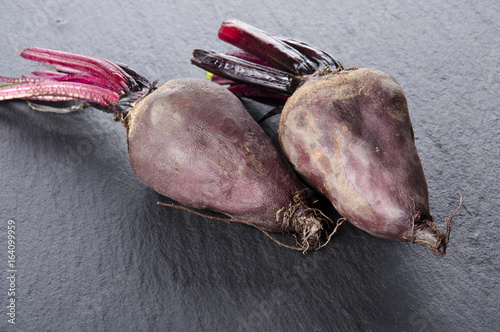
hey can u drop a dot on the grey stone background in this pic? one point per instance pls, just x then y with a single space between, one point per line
95 252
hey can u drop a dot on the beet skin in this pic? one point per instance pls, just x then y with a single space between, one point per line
349 134
193 141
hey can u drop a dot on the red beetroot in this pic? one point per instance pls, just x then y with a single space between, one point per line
212 155
190 140
346 132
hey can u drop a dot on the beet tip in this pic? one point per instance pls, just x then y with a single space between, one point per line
307 223
427 234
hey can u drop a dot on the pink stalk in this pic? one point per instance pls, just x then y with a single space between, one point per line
43 76
48 74
84 78
60 91
93 66
22 80
94 81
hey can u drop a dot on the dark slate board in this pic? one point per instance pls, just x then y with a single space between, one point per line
95 253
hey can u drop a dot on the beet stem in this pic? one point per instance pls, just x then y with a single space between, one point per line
57 109
63 61
97 82
249 57
240 70
295 61
23 80
285 53
321 58
266 47
59 91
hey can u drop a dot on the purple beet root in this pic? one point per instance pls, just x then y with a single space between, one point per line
349 135
347 132
190 140
212 155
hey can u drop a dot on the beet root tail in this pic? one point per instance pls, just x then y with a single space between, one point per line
427 234
307 224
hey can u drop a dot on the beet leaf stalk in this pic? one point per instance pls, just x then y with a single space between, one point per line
88 81
269 68
347 132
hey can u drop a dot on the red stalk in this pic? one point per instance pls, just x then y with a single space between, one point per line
60 91
93 66
265 46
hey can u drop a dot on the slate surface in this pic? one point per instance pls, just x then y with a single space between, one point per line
95 253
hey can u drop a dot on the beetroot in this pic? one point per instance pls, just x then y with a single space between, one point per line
190 140
212 155
347 132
